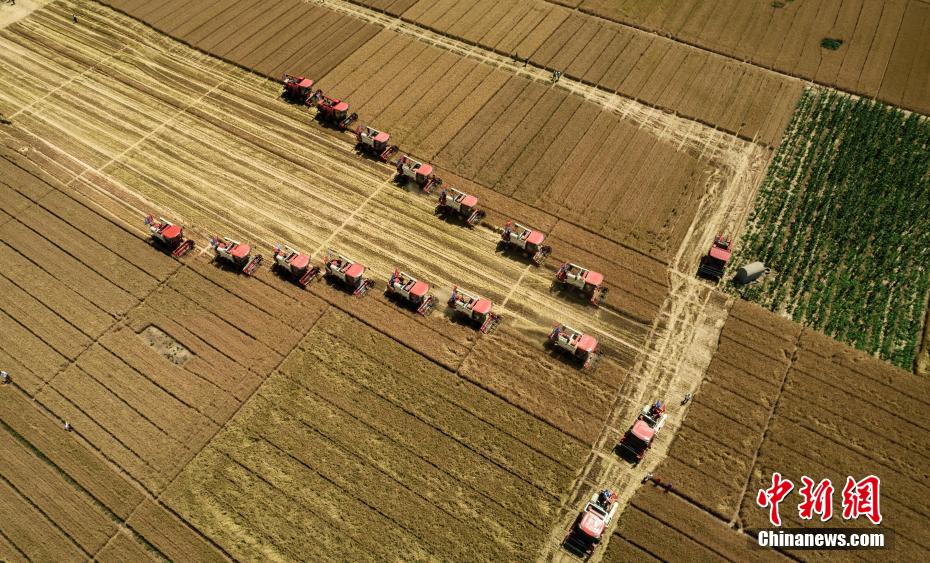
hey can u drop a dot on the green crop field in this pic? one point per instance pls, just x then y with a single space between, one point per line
843 221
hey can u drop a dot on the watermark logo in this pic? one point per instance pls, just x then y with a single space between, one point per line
859 498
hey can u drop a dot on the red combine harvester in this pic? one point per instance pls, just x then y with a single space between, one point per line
638 439
590 283
295 266
297 89
421 174
588 529
582 346
348 272
374 142
478 309
411 290
464 205
333 112
169 237
526 239
714 263
236 254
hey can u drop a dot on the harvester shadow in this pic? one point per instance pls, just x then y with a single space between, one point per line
514 253
452 218
568 293
401 182
335 284
561 356
625 454
225 266
400 302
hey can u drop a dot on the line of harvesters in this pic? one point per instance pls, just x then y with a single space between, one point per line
588 529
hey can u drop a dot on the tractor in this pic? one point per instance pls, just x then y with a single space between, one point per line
236 254
476 309
411 291
591 284
168 236
638 439
295 266
582 347
374 142
297 89
588 529
715 261
420 174
527 240
461 204
333 112
348 272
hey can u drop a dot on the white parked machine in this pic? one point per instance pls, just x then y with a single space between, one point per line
526 239
581 346
588 282
168 236
477 309
236 254
453 201
412 291
410 170
588 529
374 142
348 272
295 266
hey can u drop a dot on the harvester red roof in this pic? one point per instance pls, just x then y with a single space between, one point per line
587 343
300 261
355 270
720 253
305 83
593 278
419 289
592 524
425 169
240 250
341 106
381 137
535 237
482 306
469 200
171 231
642 430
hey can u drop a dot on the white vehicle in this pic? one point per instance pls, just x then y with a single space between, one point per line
528 240
349 272
417 172
588 282
476 308
581 346
295 265
411 290
236 254
464 205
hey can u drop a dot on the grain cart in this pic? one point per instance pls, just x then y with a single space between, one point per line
371 141
297 89
236 254
638 439
475 308
461 204
588 529
411 291
410 170
295 266
348 272
527 240
588 282
714 263
333 112
168 236
582 347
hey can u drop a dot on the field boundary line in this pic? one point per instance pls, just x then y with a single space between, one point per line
352 215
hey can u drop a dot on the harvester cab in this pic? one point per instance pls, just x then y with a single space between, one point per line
526 239
236 254
581 346
333 112
297 89
295 265
374 142
475 308
419 173
715 261
588 282
638 439
588 529
168 236
463 205
348 272
412 291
